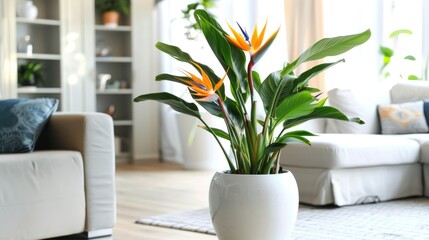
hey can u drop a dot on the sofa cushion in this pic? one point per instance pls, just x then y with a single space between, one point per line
409 91
333 151
21 122
424 152
356 103
418 137
426 110
402 118
43 193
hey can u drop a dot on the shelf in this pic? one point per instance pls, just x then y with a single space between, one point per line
114 59
39 56
122 122
38 90
115 91
113 29
38 21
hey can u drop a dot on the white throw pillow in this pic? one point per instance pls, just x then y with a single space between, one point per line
403 118
357 103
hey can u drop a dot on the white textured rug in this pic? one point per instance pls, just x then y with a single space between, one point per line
406 219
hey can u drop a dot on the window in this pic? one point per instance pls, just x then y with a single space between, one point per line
362 66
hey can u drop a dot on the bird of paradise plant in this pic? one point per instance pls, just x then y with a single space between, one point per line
287 98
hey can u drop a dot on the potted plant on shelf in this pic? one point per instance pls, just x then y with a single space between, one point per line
111 10
192 29
30 74
256 198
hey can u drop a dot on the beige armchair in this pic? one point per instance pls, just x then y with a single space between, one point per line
66 186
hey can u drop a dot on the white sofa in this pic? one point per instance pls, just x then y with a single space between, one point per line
351 164
66 186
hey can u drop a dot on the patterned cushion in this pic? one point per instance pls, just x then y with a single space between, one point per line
22 121
403 118
426 110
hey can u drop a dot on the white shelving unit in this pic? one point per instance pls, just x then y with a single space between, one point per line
64 37
119 91
45 38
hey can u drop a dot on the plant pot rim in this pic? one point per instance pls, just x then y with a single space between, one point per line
228 173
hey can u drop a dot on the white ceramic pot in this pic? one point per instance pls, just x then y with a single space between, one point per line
26 9
253 207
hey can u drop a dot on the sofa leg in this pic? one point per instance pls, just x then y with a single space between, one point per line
99 233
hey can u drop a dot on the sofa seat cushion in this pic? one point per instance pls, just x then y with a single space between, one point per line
420 138
425 153
334 151
42 194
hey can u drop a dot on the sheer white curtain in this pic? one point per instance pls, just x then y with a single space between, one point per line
304 24
361 68
171 30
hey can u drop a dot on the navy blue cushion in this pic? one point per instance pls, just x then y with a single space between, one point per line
426 110
22 121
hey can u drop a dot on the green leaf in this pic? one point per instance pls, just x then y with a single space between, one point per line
218 132
321 112
410 57
173 78
329 47
413 77
173 101
234 114
273 83
174 51
302 81
385 51
231 109
232 59
322 102
179 55
386 60
295 106
274 147
310 89
396 33
256 80
296 136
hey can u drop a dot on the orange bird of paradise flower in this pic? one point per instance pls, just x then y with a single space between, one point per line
252 45
202 87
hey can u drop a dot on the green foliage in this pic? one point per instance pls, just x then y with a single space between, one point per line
188 13
113 5
388 55
31 74
287 99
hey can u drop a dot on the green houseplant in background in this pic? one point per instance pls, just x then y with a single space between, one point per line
192 29
111 10
30 74
256 189
390 54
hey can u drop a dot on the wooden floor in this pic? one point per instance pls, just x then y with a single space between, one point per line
157 188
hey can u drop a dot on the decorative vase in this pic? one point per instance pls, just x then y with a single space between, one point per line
253 207
111 18
27 10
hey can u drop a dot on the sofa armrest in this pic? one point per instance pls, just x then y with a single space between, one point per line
92 135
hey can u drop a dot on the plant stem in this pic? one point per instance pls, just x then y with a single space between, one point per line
233 133
250 77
